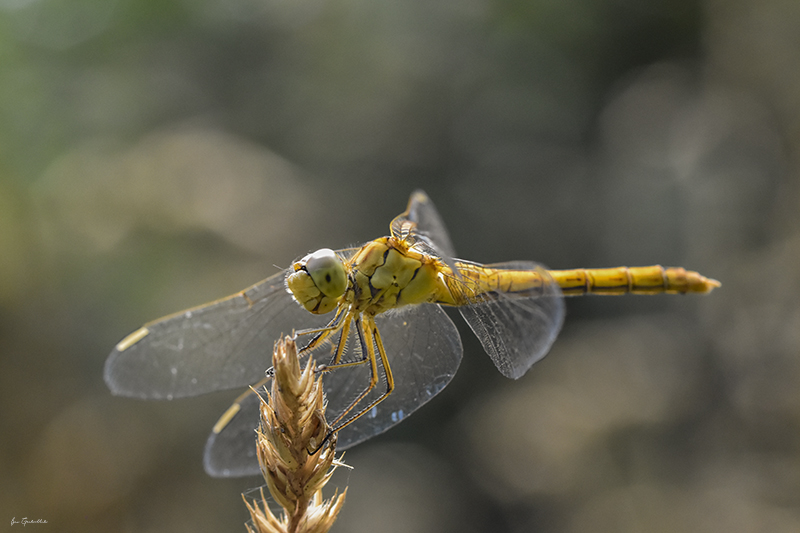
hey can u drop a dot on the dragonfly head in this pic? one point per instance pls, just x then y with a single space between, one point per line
318 281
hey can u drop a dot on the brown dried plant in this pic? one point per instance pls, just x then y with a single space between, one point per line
292 427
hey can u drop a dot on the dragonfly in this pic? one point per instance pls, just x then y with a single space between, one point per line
376 313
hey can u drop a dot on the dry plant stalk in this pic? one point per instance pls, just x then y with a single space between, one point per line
293 425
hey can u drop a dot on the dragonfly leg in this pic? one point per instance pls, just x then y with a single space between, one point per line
320 335
370 339
368 349
341 324
336 360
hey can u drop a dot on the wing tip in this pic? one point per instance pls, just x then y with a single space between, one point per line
218 467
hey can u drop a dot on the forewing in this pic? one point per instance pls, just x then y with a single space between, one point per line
224 344
516 330
424 352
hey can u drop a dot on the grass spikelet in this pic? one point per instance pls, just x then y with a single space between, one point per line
293 425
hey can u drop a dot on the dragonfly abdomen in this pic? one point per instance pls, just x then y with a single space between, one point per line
632 280
477 283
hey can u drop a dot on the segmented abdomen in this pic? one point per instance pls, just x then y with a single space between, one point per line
632 280
478 282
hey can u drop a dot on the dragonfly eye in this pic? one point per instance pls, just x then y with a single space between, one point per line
328 273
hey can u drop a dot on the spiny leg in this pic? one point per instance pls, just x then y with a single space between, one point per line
322 334
368 351
367 348
342 345
341 324
370 338
340 321
336 363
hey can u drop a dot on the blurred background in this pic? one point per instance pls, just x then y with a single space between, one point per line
156 154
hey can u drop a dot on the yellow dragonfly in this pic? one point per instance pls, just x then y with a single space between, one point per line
391 346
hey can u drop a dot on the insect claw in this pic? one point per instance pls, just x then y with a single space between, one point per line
325 441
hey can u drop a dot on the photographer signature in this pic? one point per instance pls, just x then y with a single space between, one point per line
25 521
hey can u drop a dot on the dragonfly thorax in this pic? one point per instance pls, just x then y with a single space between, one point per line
389 274
318 281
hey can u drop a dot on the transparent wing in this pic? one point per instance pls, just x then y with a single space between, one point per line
424 351
216 346
232 451
426 226
516 330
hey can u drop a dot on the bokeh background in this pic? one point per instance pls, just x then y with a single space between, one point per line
156 154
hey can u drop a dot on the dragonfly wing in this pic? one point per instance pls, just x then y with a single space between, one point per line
224 344
424 350
232 451
516 330
429 227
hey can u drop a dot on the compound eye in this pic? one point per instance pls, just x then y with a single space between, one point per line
328 273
